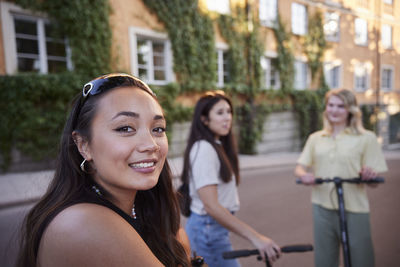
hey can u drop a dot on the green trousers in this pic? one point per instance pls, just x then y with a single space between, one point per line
327 238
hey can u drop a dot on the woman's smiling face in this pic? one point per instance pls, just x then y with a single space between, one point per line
129 146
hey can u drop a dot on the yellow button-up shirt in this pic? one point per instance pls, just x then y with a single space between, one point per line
342 156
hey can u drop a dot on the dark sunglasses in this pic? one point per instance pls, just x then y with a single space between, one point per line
110 81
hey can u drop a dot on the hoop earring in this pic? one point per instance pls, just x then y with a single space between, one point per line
83 165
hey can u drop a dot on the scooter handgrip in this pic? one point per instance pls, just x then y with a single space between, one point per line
376 180
297 248
239 253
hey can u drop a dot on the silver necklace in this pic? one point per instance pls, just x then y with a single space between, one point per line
98 192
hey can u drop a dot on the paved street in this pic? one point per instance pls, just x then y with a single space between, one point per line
273 204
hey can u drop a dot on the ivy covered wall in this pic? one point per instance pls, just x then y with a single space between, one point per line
35 106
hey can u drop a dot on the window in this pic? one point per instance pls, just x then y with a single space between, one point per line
152 58
361 31
332 26
299 19
361 78
389 2
270 77
387 78
386 36
220 6
268 12
31 43
332 74
301 75
222 68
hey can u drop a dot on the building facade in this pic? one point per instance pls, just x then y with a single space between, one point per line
363 53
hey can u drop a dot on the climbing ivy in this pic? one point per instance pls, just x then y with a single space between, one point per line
86 26
192 38
285 59
245 50
315 45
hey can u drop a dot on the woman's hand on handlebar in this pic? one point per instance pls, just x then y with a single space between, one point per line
308 178
267 246
305 175
366 173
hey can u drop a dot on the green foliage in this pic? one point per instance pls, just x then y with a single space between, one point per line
285 60
192 37
308 107
244 53
85 24
368 117
315 45
33 112
251 120
232 30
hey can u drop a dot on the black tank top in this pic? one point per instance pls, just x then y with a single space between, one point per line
89 196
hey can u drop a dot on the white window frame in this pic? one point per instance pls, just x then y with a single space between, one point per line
360 32
391 69
8 12
221 48
219 6
332 26
301 80
299 18
328 68
386 36
361 69
151 36
268 12
266 63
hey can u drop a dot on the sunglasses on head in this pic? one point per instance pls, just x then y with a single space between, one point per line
110 81
214 93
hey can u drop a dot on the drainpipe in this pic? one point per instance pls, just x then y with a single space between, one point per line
378 65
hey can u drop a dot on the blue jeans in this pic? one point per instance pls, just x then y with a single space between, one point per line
209 240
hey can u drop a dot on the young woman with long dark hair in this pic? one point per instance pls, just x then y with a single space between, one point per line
111 202
211 175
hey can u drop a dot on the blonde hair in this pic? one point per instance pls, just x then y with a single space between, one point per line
354 119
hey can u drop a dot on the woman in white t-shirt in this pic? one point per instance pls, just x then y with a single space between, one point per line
211 176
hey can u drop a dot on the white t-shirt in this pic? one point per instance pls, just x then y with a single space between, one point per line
205 171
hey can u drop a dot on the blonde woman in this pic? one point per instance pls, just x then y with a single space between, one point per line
343 148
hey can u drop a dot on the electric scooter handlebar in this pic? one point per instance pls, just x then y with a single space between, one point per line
356 180
248 252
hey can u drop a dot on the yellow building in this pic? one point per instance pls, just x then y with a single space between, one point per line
363 53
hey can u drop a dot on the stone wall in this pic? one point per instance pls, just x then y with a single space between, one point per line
281 134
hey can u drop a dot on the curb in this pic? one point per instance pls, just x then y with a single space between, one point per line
24 188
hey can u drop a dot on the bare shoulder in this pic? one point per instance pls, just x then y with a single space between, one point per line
92 235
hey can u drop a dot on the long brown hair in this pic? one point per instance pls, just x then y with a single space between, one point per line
158 209
227 151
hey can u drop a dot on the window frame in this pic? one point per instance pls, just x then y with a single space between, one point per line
135 34
266 16
226 9
336 36
221 49
306 79
266 63
366 70
391 68
357 40
10 11
328 68
296 10
389 45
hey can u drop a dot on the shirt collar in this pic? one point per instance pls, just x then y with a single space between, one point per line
347 131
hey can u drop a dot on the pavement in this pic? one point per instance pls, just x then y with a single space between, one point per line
21 188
